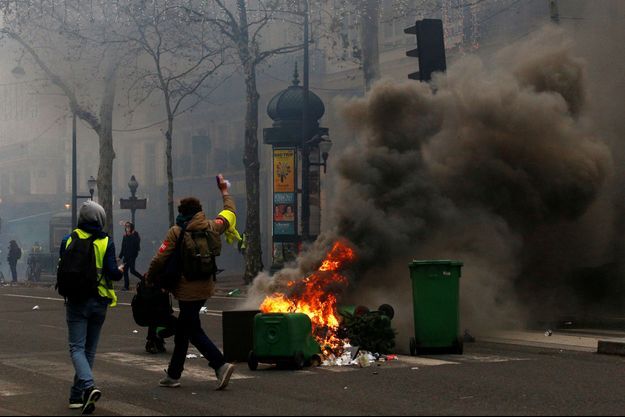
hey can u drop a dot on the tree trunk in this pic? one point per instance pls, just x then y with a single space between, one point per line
253 254
170 169
369 41
107 153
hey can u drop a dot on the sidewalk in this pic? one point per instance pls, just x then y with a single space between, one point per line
581 340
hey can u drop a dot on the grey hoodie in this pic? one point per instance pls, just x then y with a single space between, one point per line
92 213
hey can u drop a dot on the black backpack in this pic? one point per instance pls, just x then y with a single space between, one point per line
77 274
199 251
151 306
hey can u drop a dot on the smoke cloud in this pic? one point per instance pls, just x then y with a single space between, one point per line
490 164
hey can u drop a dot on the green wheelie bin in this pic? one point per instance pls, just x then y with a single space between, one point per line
284 339
436 299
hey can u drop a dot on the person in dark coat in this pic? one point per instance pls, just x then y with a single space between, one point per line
15 253
131 245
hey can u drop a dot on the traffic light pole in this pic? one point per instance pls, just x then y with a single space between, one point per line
306 134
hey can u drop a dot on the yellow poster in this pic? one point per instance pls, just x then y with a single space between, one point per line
283 170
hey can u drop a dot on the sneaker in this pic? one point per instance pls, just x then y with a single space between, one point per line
75 404
151 347
223 375
160 345
90 397
169 382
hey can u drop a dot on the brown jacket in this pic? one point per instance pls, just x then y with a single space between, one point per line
189 290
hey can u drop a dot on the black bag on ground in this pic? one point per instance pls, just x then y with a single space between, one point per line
77 274
151 306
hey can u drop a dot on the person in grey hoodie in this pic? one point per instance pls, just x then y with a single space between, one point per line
85 318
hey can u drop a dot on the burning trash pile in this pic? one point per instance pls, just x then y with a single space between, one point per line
336 329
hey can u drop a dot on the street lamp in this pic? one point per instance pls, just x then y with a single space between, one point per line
133 203
92 183
133 185
325 145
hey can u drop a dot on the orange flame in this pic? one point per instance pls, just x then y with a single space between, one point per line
315 297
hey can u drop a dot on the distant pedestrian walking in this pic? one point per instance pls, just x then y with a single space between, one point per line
131 246
194 243
15 253
86 268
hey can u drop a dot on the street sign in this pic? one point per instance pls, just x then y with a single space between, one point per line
133 204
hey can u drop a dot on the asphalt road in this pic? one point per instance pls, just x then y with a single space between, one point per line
490 379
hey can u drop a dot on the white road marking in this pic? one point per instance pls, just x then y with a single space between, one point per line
150 364
61 370
8 389
420 361
489 358
214 313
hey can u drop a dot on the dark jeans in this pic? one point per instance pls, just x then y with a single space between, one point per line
189 329
130 267
13 266
84 322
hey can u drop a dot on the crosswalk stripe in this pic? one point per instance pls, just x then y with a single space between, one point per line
8 389
155 365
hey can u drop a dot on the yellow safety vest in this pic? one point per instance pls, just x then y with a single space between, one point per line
105 287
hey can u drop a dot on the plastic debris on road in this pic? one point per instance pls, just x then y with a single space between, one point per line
192 356
135 331
234 292
548 332
353 356
36 308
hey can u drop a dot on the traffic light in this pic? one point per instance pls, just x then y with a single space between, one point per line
430 48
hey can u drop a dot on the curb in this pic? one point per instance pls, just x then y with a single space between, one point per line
605 347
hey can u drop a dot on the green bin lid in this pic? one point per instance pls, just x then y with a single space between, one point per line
437 262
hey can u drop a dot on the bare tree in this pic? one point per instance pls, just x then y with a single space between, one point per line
242 26
67 42
183 56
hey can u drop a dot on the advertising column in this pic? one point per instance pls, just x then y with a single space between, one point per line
285 236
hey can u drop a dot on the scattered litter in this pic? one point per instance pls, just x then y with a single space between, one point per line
194 393
192 356
36 308
345 388
365 359
375 373
203 310
415 368
548 333
353 356
568 323
135 331
234 292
